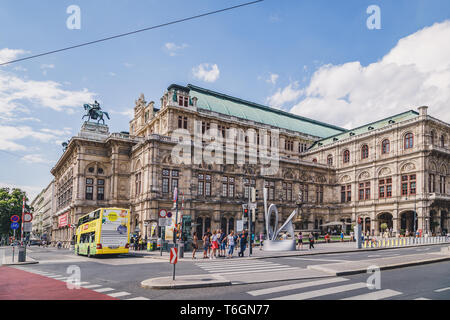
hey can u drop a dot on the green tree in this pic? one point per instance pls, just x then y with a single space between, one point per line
10 204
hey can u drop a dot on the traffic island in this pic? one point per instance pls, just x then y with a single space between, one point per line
185 282
356 267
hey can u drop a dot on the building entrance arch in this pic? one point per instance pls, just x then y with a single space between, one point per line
407 222
387 219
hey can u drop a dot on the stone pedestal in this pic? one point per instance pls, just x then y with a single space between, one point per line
279 245
95 131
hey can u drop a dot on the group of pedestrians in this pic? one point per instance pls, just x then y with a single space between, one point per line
219 244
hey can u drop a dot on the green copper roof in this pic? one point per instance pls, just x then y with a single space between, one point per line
366 128
223 104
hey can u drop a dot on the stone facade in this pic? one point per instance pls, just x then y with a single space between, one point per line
139 170
93 172
43 206
393 171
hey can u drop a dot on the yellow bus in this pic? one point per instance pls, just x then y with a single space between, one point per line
102 232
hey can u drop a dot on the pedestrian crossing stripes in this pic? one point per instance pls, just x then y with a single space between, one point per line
324 288
323 292
376 295
232 267
296 286
119 294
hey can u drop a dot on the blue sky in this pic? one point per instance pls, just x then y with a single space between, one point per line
306 57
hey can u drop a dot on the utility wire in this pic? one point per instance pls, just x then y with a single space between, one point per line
132 32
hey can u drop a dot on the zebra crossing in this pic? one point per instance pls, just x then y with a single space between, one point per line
239 266
324 288
86 285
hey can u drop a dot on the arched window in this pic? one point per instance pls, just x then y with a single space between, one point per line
409 141
365 152
433 137
442 141
385 146
346 156
330 160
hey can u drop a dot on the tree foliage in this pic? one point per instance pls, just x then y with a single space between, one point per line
10 204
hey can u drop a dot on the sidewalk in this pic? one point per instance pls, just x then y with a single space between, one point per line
322 248
6 257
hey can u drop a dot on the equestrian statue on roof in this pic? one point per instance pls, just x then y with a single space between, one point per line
94 112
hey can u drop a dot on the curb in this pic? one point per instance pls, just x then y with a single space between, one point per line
19 263
386 267
168 283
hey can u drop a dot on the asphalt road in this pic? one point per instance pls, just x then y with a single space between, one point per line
124 274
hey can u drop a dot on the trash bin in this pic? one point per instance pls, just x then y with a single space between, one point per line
22 254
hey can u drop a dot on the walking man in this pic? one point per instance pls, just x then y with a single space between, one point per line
242 243
311 241
300 241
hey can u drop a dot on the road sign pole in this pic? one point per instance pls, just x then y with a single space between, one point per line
174 271
23 214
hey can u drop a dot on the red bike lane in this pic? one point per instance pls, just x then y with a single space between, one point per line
21 285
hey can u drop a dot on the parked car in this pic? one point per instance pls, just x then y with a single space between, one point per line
35 242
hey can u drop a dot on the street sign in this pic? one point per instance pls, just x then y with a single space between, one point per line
175 194
15 226
239 225
27 217
15 219
162 213
252 206
163 222
173 256
169 215
27 226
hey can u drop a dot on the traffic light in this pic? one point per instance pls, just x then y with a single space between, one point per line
256 214
245 211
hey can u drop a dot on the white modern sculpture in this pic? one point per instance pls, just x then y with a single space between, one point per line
271 243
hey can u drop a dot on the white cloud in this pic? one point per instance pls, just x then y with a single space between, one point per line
173 48
20 68
206 72
415 72
282 96
112 74
18 95
7 55
129 113
128 65
273 78
10 135
45 67
34 158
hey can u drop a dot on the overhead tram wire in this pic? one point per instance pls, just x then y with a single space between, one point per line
132 32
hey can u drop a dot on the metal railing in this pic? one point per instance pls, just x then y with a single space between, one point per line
402 242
